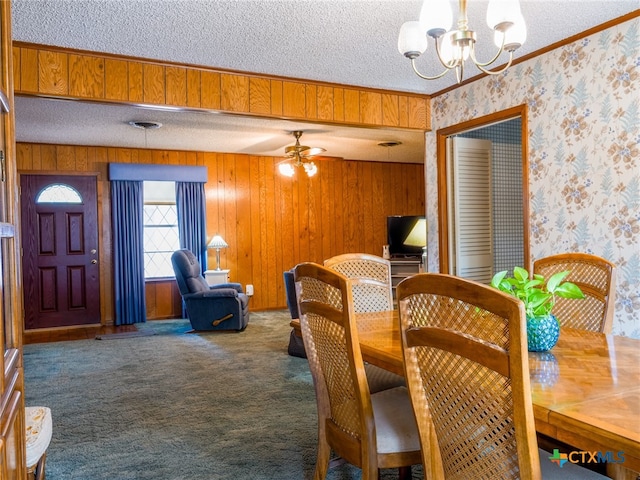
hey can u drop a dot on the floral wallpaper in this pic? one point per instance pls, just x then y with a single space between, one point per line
584 152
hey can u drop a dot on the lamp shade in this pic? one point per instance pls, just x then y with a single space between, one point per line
217 242
436 17
412 41
501 12
417 237
514 36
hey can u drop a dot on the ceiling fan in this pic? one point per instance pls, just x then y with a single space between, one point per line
299 155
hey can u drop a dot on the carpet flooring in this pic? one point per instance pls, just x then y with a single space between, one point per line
116 336
172 405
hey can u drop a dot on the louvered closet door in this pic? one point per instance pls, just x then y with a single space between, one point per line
470 183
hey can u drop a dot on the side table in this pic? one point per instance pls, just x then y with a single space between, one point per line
216 277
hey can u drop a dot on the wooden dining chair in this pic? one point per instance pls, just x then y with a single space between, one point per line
370 431
466 363
596 278
371 277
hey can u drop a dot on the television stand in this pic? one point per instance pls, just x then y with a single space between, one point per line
399 256
401 268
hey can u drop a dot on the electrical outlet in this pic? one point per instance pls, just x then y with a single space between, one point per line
249 290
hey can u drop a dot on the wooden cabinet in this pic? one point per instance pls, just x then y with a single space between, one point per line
12 413
402 268
12 429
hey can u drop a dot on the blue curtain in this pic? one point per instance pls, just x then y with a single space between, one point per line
128 251
192 228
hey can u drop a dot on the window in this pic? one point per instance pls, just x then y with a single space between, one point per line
59 193
161 237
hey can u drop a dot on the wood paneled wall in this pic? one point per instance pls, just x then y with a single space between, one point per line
56 72
270 222
163 300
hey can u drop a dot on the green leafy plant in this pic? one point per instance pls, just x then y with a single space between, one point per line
538 294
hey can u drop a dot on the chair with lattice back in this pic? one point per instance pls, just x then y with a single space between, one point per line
596 278
370 431
466 363
371 275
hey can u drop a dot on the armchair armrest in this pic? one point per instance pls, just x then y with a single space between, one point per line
236 286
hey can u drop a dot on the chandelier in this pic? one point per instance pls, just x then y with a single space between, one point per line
299 155
454 47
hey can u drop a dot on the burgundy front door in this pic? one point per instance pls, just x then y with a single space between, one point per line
60 250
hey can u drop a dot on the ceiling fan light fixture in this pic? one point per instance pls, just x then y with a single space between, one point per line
310 168
286 169
299 155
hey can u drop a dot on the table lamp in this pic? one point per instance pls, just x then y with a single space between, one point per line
217 242
418 238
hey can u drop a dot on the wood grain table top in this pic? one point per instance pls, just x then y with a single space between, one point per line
585 391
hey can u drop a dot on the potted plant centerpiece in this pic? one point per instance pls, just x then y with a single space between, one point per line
539 297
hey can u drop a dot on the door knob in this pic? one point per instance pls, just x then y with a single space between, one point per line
94 261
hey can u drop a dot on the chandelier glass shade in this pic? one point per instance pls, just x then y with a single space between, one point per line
455 47
299 158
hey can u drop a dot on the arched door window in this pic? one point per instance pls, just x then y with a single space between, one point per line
59 193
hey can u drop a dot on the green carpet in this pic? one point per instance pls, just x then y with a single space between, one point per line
174 405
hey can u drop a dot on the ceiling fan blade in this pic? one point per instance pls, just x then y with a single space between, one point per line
268 146
310 152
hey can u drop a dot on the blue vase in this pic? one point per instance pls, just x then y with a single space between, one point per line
542 333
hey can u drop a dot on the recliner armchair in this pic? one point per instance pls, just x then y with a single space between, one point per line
217 307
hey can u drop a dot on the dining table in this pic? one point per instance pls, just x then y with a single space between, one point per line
585 390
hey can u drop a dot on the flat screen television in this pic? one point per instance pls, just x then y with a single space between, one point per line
406 235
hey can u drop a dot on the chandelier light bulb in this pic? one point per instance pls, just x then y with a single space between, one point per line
448 49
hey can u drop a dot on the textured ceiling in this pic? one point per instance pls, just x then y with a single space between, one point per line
338 41
47 121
